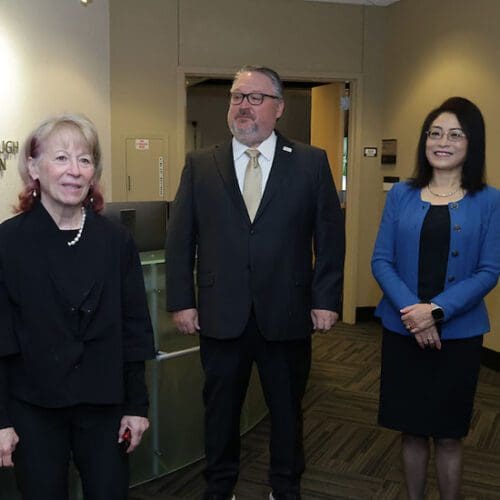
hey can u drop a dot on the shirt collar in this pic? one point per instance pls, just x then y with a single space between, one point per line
266 147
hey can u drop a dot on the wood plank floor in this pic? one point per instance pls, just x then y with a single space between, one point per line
348 455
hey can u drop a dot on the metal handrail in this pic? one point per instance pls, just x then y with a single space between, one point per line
162 355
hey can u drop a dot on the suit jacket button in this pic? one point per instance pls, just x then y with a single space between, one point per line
454 205
457 227
252 231
451 279
455 253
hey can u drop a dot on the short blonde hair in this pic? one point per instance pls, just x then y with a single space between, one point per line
33 146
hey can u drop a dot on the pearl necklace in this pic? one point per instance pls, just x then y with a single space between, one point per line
444 195
76 239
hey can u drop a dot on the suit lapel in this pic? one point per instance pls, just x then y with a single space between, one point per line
283 156
223 156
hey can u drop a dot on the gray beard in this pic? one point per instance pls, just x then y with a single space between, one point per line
244 135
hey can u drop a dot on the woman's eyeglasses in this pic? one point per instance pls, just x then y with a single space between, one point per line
453 135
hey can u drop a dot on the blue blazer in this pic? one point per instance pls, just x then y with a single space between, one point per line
473 262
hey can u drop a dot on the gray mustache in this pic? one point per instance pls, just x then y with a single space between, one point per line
244 114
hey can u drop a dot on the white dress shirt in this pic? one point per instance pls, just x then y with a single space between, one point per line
266 149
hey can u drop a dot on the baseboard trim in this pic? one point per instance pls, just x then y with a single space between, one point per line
365 314
490 358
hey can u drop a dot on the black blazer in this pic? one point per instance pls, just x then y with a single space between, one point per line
70 317
267 264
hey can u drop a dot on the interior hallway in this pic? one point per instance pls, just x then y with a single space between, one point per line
348 455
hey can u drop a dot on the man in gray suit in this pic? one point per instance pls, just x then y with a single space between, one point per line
253 211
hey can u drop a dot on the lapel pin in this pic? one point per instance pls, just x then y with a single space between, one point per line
287 149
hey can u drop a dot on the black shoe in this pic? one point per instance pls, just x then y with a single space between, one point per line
218 496
284 496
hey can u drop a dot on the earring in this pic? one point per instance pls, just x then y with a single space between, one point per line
34 193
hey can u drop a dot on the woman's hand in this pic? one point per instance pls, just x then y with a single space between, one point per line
417 317
8 442
137 426
429 338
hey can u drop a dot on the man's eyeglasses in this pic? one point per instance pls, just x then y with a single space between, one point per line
254 98
453 135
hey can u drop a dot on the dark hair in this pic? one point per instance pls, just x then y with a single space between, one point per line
471 120
270 73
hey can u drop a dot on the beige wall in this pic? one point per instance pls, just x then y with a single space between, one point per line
153 48
366 173
54 57
289 35
436 50
144 93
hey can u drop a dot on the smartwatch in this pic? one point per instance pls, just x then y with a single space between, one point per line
437 314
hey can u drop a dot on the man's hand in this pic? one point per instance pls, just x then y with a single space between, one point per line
323 319
186 321
8 442
137 426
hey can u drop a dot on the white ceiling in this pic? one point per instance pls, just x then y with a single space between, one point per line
378 3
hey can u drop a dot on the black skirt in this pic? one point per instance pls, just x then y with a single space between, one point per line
426 392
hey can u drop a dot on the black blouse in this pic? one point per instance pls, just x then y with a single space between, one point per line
433 254
74 322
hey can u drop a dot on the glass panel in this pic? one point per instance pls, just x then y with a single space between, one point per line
167 337
180 412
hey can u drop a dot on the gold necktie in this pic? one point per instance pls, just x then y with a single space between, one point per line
252 185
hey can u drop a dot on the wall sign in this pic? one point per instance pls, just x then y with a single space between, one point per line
370 152
142 144
161 176
7 150
389 151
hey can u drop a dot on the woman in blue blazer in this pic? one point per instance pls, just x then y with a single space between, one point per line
436 256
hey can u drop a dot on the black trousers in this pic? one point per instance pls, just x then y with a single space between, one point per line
49 438
283 370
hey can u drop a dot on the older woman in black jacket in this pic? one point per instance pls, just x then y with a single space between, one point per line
74 324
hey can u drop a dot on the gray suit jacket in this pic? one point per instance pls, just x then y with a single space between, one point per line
267 264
